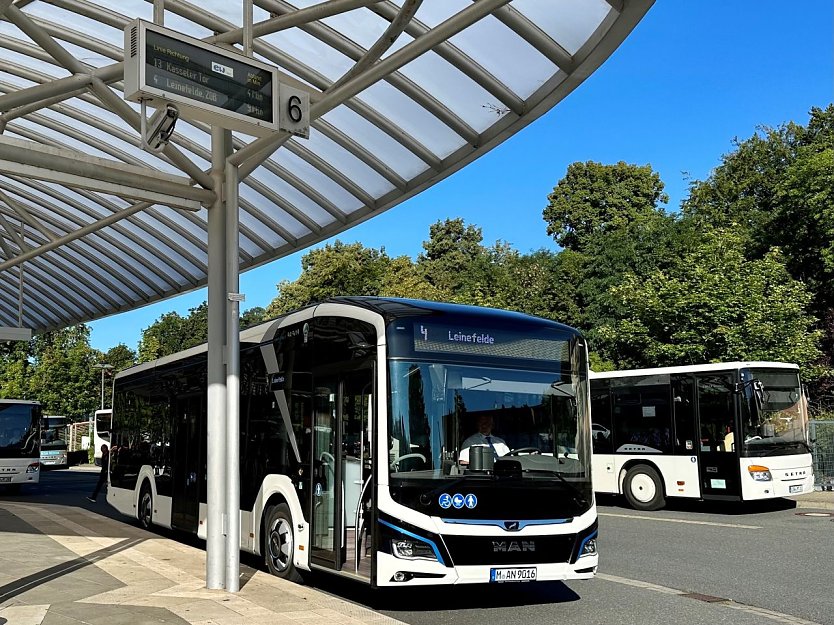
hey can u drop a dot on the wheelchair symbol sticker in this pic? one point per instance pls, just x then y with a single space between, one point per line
445 501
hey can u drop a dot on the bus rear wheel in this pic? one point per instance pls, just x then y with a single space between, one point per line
279 543
643 489
145 512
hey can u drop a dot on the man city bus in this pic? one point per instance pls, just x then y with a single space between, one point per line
353 418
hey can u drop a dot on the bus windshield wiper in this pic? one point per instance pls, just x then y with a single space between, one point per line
578 496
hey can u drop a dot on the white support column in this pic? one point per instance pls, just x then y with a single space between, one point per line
221 142
232 381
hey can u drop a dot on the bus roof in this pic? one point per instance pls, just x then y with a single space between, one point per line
31 402
388 307
716 366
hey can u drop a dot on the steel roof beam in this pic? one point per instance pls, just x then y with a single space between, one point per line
460 61
108 242
261 148
65 87
355 52
102 91
299 17
198 16
132 253
138 182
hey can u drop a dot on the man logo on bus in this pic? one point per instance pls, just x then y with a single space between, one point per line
505 546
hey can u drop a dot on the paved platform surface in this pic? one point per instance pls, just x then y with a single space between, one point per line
63 565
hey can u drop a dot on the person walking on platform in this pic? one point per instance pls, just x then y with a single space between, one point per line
102 477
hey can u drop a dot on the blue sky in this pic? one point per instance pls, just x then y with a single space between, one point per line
690 78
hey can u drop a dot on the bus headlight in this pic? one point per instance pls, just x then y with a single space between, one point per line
759 473
409 549
33 468
589 548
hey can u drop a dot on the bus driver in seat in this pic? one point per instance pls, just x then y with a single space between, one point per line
483 438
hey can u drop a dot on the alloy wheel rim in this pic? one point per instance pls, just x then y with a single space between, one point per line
280 544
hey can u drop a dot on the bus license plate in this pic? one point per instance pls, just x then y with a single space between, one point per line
5 478
795 489
527 574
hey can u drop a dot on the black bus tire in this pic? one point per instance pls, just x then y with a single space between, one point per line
643 488
145 510
279 543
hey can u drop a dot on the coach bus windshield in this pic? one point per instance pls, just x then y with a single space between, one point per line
774 417
19 436
509 441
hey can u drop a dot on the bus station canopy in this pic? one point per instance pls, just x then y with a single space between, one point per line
403 93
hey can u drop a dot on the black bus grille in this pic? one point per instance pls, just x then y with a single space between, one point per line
499 550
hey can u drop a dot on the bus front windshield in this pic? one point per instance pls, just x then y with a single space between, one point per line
19 430
775 419
513 438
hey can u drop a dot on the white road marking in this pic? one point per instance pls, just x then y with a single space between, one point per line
687 521
728 603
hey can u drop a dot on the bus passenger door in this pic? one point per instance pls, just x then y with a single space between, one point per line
718 458
342 485
187 462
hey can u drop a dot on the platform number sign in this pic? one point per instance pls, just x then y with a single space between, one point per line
294 111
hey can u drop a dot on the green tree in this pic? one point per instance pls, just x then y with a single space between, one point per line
454 260
713 305
333 270
172 333
593 199
62 376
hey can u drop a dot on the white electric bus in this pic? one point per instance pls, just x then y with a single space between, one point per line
734 431
20 443
352 418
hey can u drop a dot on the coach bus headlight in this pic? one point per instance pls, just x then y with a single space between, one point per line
589 548
408 549
759 473
33 468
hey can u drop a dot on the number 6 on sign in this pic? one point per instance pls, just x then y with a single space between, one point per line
294 111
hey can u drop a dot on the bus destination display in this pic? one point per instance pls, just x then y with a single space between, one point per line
434 337
193 72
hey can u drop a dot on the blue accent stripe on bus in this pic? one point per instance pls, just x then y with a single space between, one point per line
500 523
420 538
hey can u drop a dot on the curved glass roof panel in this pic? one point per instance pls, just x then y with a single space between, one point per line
403 93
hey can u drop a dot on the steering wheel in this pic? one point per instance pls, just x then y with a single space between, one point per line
396 464
523 450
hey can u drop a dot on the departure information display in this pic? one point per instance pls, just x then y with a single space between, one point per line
209 83
505 343
193 72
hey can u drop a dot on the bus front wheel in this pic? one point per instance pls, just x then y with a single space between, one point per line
279 543
145 506
643 489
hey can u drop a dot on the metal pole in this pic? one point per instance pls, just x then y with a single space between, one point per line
102 388
216 400
232 381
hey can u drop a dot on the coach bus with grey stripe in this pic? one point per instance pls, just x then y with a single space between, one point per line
731 431
352 416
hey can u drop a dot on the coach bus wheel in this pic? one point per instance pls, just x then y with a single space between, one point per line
279 544
145 506
643 489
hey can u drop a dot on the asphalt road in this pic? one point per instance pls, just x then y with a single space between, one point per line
690 564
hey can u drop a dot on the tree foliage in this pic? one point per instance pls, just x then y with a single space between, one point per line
594 199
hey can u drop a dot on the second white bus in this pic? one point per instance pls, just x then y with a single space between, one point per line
734 431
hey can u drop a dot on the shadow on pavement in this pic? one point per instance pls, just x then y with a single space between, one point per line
434 598
693 506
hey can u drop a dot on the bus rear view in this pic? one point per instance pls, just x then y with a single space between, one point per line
19 443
